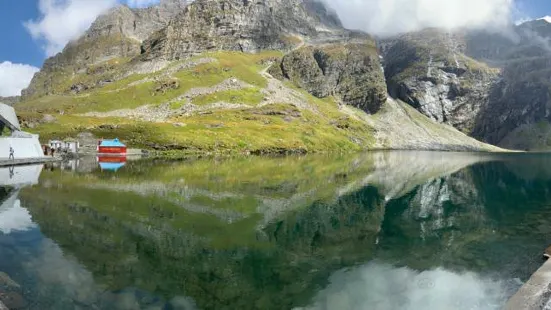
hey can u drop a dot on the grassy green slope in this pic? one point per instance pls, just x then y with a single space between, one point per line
268 128
187 107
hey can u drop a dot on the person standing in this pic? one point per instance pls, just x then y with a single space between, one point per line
12 153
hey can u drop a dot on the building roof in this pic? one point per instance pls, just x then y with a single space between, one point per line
9 118
112 143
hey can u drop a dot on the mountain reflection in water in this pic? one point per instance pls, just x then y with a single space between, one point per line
388 230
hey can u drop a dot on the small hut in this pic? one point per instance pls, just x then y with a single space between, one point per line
114 147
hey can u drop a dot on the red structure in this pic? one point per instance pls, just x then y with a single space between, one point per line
111 163
114 147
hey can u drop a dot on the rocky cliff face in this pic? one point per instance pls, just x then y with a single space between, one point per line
247 26
519 111
351 72
430 71
492 86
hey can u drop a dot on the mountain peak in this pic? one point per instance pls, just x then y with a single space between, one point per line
546 18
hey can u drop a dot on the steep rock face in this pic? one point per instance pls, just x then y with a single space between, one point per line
115 34
522 98
352 72
247 26
429 71
519 113
492 86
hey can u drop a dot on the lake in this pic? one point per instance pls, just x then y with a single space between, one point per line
385 230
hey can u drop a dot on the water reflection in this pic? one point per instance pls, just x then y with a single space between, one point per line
91 163
17 176
280 233
384 287
12 216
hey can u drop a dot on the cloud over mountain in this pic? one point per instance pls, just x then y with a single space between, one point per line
61 21
15 77
389 17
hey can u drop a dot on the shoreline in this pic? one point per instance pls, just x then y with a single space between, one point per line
27 161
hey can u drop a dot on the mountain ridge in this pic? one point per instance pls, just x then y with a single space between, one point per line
262 66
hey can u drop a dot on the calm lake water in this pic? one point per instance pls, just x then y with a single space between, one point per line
394 230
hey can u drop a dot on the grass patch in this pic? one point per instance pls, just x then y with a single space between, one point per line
250 96
118 95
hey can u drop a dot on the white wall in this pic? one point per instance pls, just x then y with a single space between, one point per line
23 147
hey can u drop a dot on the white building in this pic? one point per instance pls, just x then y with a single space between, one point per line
24 145
69 146
56 144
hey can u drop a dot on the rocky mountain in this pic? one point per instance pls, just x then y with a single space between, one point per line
256 77
492 86
518 114
117 34
430 71
347 70
244 26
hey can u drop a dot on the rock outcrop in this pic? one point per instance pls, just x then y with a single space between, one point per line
351 72
491 86
429 71
247 26
519 112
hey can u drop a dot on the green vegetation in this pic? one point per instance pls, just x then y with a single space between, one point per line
276 128
5 132
252 96
270 129
120 95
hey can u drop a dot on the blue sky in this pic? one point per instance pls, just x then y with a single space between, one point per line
20 46
32 30
534 8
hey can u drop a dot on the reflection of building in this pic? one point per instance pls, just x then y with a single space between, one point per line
12 216
69 165
20 175
112 163
24 145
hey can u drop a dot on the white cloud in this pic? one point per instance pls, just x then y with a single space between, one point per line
15 77
384 287
389 17
64 20
14 217
521 21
